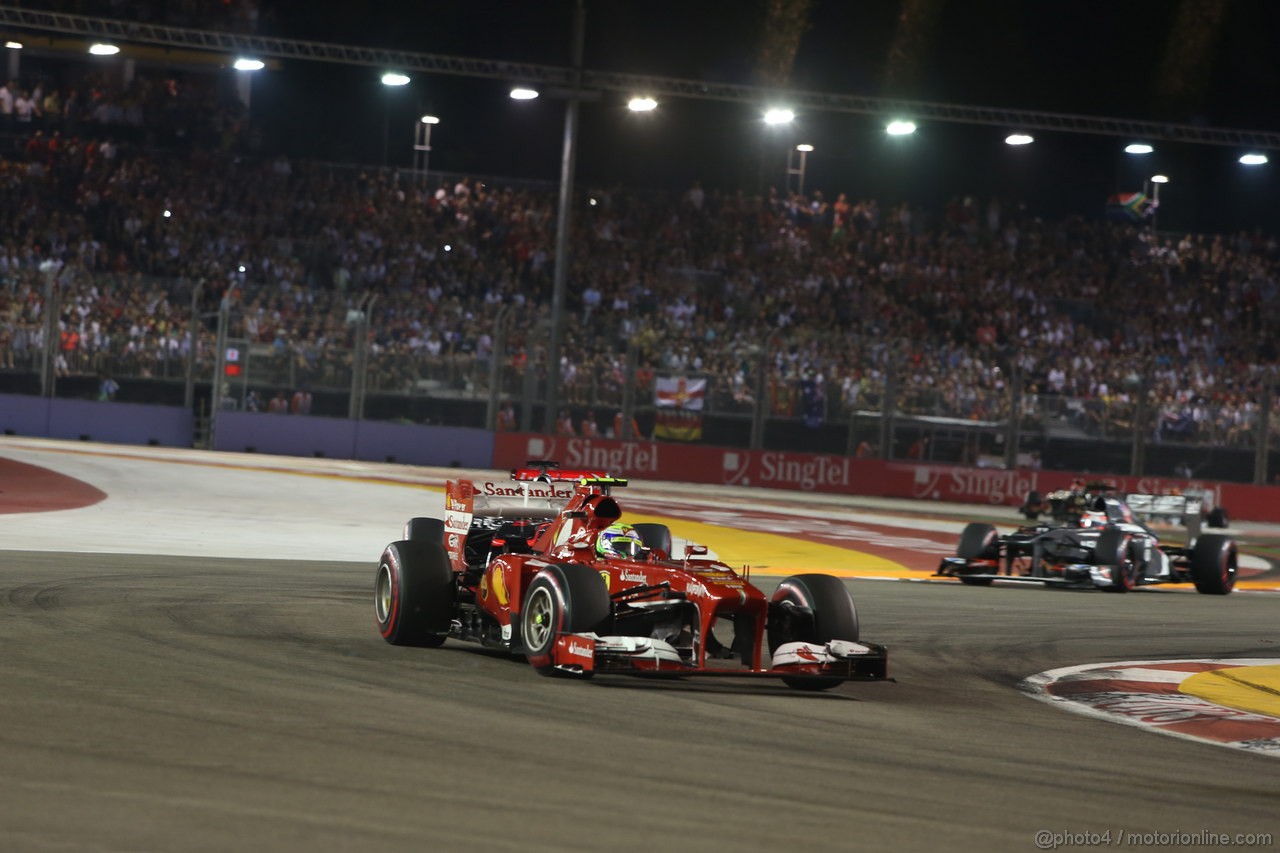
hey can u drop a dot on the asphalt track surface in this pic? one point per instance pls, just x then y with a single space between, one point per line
167 704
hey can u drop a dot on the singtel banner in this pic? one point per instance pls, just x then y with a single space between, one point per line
844 475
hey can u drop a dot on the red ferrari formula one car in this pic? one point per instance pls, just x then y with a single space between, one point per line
541 566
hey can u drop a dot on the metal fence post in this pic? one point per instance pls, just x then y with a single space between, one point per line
629 391
496 357
1012 428
358 336
1262 444
758 415
220 369
530 387
1138 454
888 406
365 347
52 308
189 395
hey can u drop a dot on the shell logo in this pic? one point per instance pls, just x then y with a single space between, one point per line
499 586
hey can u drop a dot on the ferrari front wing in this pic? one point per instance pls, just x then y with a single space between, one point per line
644 656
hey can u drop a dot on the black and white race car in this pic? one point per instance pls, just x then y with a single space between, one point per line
1190 508
1103 546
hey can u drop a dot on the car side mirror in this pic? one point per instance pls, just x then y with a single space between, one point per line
694 551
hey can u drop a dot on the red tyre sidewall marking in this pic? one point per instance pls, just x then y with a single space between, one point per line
393 569
541 661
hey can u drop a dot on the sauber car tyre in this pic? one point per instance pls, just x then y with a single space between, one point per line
562 599
413 594
656 537
424 530
1217 517
1115 550
811 609
978 542
1213 564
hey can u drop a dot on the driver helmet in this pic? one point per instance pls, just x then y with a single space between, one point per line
619 540
1093 519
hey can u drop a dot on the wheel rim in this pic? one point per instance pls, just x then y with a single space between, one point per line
382 593
537 619
782 627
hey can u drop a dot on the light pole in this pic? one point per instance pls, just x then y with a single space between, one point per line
422 144
1156 181
392 80
804 150
774 117
246 66
568 163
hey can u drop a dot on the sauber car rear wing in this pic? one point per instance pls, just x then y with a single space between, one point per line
1186 510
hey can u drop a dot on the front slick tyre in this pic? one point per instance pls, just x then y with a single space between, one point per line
1213 564
1114 548
413 594
811 609
562 599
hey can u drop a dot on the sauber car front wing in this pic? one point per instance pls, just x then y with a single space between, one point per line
1073 575
644 656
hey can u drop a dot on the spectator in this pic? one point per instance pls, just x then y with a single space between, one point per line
107 389
301 402
953 313
619 421
507 418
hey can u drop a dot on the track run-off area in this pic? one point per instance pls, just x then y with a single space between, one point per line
188 662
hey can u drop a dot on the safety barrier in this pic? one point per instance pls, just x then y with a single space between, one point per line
340 438
88 420
846 475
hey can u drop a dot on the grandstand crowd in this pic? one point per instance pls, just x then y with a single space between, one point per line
842 300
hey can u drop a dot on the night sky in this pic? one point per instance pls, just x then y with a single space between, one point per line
1092 57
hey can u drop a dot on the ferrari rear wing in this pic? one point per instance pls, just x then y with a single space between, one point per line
466 499
548 471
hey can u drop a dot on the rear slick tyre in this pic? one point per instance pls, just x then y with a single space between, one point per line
424 530
413 594
656 537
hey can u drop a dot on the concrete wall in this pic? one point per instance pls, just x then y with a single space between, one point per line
338 438
119 423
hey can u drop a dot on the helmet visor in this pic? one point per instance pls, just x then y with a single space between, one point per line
626 545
